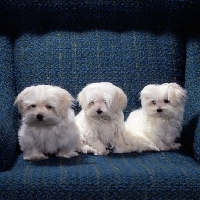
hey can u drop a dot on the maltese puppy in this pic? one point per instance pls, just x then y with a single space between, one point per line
159 120
101 120
48 125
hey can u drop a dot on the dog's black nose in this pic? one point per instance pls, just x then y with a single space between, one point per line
159 110
40 117
99 111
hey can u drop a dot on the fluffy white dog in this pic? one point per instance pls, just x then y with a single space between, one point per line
48 125
101 120
159 120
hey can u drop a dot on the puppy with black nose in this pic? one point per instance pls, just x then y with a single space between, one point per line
48 125
159 120
101 120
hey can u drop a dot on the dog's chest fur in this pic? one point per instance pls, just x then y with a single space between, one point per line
165 130
105 130
47 139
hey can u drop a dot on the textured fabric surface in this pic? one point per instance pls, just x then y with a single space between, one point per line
8 117
166 175
72 43
192 84
71 60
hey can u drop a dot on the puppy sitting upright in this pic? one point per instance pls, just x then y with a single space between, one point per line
159 119
101 121
48 125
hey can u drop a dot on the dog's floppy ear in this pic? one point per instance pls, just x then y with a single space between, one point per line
20 98
120 98
176 94
83 94
66 99
81 98
146 93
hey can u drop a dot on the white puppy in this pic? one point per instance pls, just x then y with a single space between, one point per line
48 125
101 120
159 120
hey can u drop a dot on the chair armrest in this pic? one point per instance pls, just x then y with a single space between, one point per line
8 113
191 131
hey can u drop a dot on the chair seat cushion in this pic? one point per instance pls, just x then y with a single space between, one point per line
164 175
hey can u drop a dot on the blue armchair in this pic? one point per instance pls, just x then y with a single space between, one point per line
130 43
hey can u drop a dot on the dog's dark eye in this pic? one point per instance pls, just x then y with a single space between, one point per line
49 107
166 101
154 102
92 102
33 105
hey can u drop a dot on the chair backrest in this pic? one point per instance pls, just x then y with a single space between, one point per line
74 43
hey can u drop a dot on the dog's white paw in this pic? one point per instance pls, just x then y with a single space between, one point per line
67 155
102 153
87 149
121 149
35 157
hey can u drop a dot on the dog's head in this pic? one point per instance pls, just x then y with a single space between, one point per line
166 100
102 100
43 104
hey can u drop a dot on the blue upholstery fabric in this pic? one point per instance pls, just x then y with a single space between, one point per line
72 43
8 118
165 175
71 60
192 83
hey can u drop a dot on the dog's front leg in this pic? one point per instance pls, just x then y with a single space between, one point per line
33 154
100 147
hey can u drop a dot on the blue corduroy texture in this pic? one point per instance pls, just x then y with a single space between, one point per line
165 175
192 84
8 113
72 43
71 60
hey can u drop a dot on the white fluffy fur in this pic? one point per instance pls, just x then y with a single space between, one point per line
101 120
48 125
148 124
